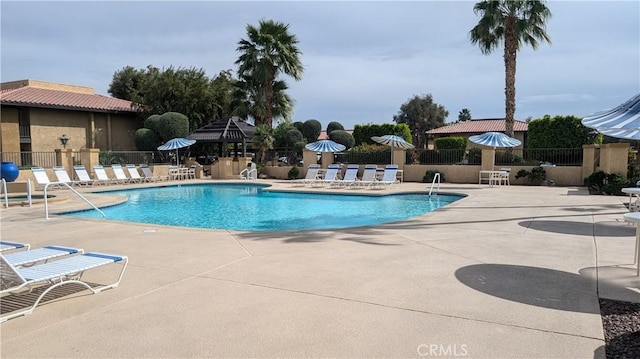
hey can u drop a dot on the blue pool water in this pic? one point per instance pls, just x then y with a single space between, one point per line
247 207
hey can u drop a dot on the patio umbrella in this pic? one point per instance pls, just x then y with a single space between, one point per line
175 144
393 141
325 146
495 139
620 122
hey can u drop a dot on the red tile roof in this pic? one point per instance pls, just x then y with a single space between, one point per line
48 98
479 126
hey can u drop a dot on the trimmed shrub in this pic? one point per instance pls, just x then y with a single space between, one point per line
311 130
333 125
172 125
293 173
342 137
146 140
430 175
294 136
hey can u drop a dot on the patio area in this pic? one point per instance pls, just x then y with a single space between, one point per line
509 271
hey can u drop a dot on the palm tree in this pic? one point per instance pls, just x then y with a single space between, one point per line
464 115
515 23
246 101
263 139
269 52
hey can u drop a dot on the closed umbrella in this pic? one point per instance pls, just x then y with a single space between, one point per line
393 141
622 121
495 139
175 144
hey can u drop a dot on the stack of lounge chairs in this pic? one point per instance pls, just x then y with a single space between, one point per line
23 270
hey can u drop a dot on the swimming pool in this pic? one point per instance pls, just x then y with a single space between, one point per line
248 207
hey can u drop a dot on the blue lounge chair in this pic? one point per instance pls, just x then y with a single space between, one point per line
350 177
16 280
330 176
389 177
8 246
310 177
44 254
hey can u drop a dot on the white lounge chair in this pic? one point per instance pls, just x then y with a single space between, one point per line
8 246
350 176
389 177
250 173
101 175
44 254
63 176
330 176
310 177
121 177
148 175
42 179
16 280
83 175
134 174
368 176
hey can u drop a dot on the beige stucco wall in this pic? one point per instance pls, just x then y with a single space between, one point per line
85 129
9 130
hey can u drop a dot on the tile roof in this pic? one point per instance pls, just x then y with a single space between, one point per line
49 98
324 136
479 126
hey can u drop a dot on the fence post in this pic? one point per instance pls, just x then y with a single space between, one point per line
90 157
614 158
488 158
589 159
64 158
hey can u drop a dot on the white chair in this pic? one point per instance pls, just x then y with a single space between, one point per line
147 174
389 177
42 179
250 173
504 176
330 176
44 254
63 176
101 175
121 177
350 177
369 175
83 175
310 177
134 174
17 280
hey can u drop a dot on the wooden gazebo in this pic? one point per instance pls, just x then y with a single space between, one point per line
230 130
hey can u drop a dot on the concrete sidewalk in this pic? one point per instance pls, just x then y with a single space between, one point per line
507 272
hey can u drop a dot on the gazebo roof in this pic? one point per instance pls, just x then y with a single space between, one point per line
229 130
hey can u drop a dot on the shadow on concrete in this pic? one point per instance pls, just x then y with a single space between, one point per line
541 287
600 229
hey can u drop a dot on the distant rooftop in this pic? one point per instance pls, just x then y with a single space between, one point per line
479 126
33 93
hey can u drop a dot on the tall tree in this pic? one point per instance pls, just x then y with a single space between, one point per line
421 114
269 51
185 90
514 24
464 115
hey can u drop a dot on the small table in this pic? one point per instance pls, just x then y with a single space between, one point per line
633 192
634 217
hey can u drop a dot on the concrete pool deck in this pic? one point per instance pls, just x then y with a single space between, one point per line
511 271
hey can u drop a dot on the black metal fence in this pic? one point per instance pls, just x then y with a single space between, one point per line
532 156
30 159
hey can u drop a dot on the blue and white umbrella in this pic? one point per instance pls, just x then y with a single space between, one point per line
495 139
620 122
325 146
175 144
393 141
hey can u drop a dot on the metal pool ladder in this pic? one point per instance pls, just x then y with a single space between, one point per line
435 178
46 204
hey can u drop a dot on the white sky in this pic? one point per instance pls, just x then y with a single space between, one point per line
362 60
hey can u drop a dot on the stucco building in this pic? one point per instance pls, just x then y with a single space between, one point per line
35 114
